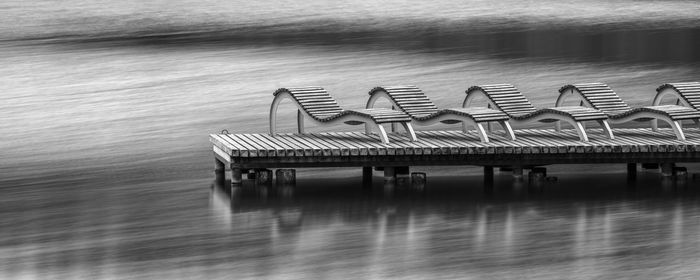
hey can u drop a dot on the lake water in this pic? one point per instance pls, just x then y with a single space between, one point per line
106 168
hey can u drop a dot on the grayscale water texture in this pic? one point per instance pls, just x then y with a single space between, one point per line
106 168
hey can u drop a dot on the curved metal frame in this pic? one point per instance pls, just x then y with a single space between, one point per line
347 119
577 125
675 125
448 118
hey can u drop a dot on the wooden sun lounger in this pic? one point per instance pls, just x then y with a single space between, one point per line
686 94
600 96
418 106
317 105
507 98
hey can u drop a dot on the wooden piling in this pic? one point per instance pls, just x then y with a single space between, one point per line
236 174
286 176
542 170
402 175
367 176
631 172
488 175
250 174
389 174
219 172
667 169
418 178
680 172
536 176
263 176
518 172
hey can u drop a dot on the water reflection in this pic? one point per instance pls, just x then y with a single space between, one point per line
578 230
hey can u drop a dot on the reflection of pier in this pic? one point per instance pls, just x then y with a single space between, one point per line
240 152
441 231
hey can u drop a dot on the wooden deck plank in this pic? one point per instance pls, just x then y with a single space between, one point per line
370 141
271 148
225 140
259 149
291 139
355 149
532 145
326 142
345 148
315 150
248 149
223 145
281 149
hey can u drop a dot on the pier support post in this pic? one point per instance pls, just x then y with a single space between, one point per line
680 172
286 177
631 172
518 173
667 169
680 176
389 174
236 174
367 176
418 179
542 170
537 176
251 174
488 176
403 175
219 172
263 177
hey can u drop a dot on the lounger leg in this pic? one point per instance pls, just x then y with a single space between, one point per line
488 124
300 122
697 123
411 133
557 126
508 129
482 133
393 125
273 116
581 131
678 130
382 134
654 125
606 129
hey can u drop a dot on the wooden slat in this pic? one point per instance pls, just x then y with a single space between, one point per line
453 143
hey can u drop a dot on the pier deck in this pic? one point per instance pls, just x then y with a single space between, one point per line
532 147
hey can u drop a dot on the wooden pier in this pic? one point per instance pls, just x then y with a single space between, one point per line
533 147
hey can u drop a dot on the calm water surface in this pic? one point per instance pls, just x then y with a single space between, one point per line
105 165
